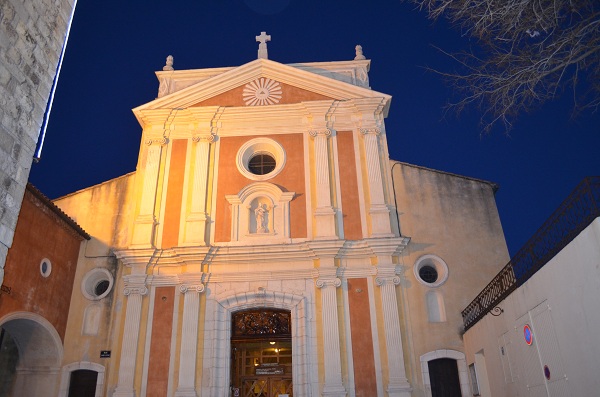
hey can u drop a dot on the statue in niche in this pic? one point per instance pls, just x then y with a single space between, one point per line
261 213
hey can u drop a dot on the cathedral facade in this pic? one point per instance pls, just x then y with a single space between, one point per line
267 246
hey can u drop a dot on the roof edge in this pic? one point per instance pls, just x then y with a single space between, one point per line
494 185
57 211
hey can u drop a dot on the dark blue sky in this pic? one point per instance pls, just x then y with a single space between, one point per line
115 47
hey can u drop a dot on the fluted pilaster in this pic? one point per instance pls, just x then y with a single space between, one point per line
195 226
143 229
398 385
189 340
380 219
331 337
134 290
324 213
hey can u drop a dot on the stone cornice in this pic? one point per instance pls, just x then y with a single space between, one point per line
253 120
275 253
236 77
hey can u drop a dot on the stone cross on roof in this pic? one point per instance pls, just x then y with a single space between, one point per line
262 47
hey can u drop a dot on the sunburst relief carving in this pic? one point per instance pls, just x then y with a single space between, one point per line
262 91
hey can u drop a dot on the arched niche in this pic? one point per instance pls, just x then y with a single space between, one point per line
260 213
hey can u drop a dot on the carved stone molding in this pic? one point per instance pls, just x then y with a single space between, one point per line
210 138
326 132
262 91
141 290
261 322
198 288
381 281
373 130
157 141
326 282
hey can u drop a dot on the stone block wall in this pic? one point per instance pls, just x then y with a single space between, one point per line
32 33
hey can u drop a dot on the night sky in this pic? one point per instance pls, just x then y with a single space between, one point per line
115 47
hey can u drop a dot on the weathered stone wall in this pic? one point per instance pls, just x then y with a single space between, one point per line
32 34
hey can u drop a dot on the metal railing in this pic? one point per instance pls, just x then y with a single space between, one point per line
575 213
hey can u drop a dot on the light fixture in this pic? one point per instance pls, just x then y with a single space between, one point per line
272 343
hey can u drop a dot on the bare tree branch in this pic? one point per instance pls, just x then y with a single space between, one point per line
529 52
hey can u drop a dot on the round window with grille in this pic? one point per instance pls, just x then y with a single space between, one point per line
431 270
260 159
96 284
261 164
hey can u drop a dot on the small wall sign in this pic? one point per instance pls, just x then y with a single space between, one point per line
547 372
528 334
104 353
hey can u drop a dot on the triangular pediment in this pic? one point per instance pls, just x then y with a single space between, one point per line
260 83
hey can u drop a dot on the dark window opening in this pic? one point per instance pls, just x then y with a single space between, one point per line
101 287
428 274
261 164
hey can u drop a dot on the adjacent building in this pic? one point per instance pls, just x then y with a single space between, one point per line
36 296
533 331
32 36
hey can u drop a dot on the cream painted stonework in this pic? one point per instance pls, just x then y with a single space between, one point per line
195 235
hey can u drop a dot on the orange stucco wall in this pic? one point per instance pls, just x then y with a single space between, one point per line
289 94
349 186
362 339
40 234
160 346
174 194
231 181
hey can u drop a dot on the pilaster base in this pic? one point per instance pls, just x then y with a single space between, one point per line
143 232
195 229
124 392
401 389
380 221
186 392
334 391
325 219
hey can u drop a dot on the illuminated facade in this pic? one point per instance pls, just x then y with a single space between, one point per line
258 247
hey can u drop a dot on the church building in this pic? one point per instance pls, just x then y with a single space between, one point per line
265 245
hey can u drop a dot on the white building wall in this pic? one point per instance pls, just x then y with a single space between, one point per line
560 303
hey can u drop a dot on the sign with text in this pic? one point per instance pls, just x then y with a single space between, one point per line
266 369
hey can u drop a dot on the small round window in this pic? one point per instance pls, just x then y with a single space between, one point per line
431 270
428 274
96 284
261 164
45 267
260 159
101 287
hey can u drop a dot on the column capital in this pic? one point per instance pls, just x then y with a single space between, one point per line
198 288
209 138
369 131
326 132
157 141
326 282
387 280
130 290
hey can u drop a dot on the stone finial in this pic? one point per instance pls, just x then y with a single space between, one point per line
359 53
262 47
169 64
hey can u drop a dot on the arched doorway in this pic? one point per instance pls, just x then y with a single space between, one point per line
38 353
261 353
445 373
82 379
